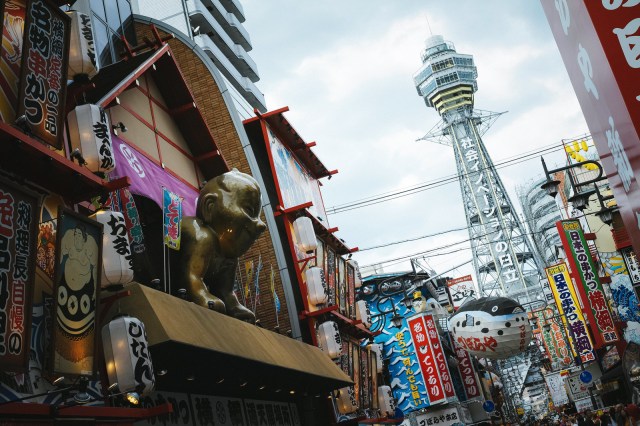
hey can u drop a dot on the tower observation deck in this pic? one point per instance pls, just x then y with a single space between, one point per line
503 259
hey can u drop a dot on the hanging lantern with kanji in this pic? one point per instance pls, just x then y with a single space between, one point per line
83 62
90 137
329 339
117 259
304 234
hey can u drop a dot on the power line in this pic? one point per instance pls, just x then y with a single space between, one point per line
413 239
376 199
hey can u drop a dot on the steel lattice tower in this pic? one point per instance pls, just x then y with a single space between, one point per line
504 261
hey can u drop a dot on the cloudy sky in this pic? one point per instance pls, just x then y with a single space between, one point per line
345 67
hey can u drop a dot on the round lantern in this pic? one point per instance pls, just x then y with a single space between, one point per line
377 349
357 275
90 134
491 327
346 400
419 303
363 313
83 62
316 285
305 235
386 403
329 339
116 251
126 354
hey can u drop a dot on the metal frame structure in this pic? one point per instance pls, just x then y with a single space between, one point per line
503 258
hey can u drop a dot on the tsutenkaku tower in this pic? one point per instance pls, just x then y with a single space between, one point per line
504 261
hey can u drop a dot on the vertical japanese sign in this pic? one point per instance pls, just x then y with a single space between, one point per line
568 306
556 342
557 391
438 353
76 288
427 360
633 266
43 83
598 44
467 371
172 215
587 282
365 379
18 232
411 388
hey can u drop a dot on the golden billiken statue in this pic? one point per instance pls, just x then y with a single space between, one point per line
227 223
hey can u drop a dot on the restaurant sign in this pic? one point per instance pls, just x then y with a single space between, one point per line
587 281
43 82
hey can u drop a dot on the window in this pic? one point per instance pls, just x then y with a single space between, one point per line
111 19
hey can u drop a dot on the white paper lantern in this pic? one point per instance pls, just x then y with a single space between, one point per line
357 275
126 354
376 348
83 62
90 132
386 402
363 313
491 327
305 235
329 339
316 285
116 251
346 400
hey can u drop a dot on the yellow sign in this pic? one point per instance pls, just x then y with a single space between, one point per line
520 411
565 296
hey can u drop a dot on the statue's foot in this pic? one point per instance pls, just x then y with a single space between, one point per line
240 312
215 304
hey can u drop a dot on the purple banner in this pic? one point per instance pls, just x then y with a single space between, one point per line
148 179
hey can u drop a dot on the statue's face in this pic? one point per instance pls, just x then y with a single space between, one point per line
236 218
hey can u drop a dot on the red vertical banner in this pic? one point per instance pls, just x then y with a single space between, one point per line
467 371
438 353
427 360
18 232
588 285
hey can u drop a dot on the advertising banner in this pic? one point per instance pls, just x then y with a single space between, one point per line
296 185
467 371
18 232
461 290
633 266
568 306
43 84
557 391
172 216
587 282
625 301
77 286
598 44
438 353
427 360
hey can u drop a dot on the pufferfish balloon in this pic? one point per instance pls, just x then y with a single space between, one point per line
491 327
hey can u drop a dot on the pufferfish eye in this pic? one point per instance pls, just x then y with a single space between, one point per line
494 309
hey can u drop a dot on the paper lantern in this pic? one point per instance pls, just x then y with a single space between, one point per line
376 348
329 339
346 400
305 235
116 251
386 403
316 285
126 354
357 275
363 313
90 133
83 62
491 327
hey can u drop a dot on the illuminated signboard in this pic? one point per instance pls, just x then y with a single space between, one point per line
427 360
568 306
43 84
18 232
588 284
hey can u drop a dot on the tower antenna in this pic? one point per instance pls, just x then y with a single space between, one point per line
428 25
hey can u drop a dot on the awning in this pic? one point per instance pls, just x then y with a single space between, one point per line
204 351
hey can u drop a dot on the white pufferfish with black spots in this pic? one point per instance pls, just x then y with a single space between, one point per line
491 327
